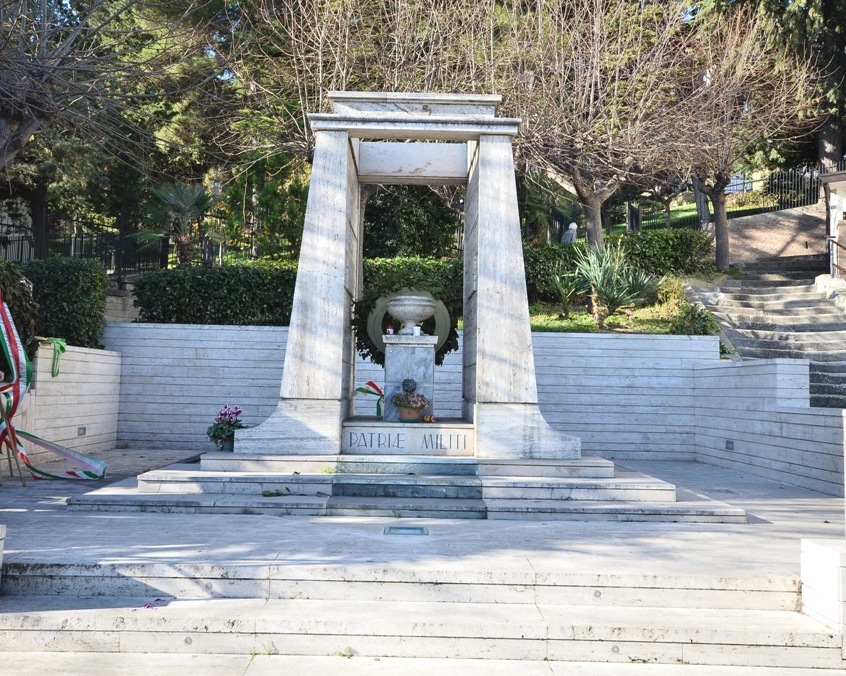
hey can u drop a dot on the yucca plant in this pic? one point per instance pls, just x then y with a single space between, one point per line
613 282
568 287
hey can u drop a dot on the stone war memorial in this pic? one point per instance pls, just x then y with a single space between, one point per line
420 139
500 458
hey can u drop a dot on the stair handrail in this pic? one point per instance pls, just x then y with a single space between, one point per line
833 240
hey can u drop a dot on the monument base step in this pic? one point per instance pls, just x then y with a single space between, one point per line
588 466
125 497
385 629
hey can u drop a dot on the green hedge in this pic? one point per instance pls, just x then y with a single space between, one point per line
17 293
659 252
681 251
71 294
258 294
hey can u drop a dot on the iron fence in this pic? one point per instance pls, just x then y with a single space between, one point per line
750 193
121 255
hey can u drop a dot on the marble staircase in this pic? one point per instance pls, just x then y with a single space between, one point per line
391 612
774 310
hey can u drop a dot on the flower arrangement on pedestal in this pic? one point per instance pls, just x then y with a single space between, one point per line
222 430
410 402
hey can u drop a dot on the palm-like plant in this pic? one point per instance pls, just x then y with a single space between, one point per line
181 208
613 282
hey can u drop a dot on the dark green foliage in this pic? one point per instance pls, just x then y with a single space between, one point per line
657 252
681 251
256 294
71 294
545 262
614 282
405 220
694 320
443 278
17 292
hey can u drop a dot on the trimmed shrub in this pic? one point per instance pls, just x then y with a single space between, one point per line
657 252
17 292
255 294
442 277
543 263
71 294
694 320
682 251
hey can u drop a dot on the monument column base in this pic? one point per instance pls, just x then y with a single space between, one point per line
296 427
514 431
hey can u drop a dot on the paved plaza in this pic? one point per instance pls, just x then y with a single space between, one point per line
40 531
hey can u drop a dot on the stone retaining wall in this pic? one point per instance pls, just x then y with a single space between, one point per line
626 396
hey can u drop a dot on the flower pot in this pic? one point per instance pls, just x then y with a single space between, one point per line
410 415
226 445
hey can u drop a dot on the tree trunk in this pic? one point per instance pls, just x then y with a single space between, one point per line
702 210
668 214
593 215
721 231
39 213
830 143
633 221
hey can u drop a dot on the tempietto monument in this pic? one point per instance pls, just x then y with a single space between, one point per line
385 138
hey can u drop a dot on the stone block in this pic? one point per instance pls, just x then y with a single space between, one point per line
409 357
824 581
383 438
520 431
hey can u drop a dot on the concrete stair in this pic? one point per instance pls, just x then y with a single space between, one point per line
393 613
775 311
407 486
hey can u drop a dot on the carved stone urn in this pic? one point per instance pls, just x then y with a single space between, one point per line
411 310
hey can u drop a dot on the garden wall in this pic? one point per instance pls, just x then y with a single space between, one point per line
754 416
78 408
626 396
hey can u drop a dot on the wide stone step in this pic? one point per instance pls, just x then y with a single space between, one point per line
667 512
775 303
631 488
530 631
805 346
828 401
386 486
834 388
142 664
586 466
183 479
431 583
833 367
830 339
783 324
764 292
771 281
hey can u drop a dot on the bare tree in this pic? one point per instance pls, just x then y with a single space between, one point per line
68 59
751 90
593 81
596 87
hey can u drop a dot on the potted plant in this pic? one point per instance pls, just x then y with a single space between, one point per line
222 430
410 405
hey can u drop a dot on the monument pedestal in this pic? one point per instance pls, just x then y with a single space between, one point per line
409 357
